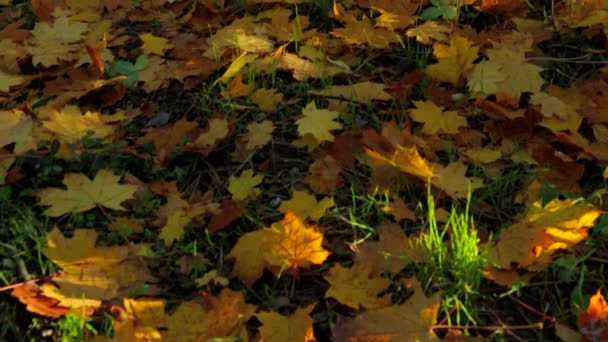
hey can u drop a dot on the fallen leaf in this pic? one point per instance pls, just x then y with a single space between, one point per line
435 119
219 316
290 244
318 122
250 261
277 327
357 287
392 252
83 194
305 205
243 186
324 175
410 321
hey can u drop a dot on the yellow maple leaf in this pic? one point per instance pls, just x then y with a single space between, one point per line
484 79
356 287
519 75
9 80
91 274
359 32
236 66
177 221
154 45
395 14
266 99
483 155
455 60
296 327
243 187
435 119
217 129
533 242
406 159
410 321
430 30
69 125
250 263
258 134
305 205
83 194
144 319
217 317
16 127
318 122
290 244
303 69
452 180
54 42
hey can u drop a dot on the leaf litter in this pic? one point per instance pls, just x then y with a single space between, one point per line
296 107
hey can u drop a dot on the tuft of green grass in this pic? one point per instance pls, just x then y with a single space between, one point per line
454 260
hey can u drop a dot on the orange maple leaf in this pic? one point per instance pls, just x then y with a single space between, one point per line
290 244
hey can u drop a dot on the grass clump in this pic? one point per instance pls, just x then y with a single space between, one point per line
454 260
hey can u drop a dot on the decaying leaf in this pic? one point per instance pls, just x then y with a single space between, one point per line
410 321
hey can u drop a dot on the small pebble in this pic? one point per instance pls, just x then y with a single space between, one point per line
275 202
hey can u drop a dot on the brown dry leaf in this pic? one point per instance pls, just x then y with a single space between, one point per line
357 287
392 252
324 175
165 139
410 321
290 244
230 211
277 327
400 210
533 242
127 225
219 316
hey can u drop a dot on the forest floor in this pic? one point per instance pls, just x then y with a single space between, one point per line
371 170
